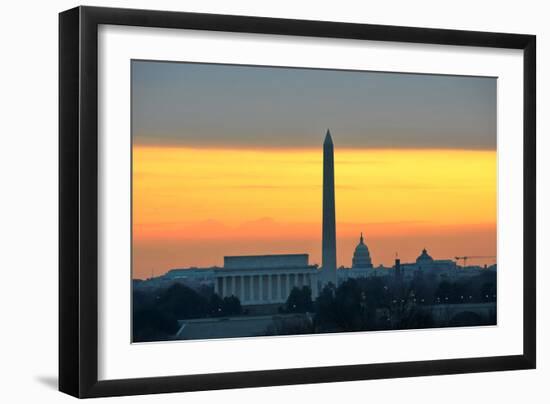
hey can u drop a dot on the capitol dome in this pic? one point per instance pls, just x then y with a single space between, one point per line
424 257
361 256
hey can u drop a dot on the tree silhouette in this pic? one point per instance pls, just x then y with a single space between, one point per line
299 300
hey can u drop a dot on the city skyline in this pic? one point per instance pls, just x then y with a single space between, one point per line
202 194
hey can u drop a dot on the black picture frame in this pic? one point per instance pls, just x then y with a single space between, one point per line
78 201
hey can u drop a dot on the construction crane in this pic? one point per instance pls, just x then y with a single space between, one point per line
468 257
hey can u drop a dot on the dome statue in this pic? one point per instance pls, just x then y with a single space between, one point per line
361 256
424 257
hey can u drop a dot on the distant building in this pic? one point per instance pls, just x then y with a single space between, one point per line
424 258
361 255
191 276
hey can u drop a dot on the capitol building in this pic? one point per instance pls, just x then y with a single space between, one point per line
268 279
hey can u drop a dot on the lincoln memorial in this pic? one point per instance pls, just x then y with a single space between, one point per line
265 279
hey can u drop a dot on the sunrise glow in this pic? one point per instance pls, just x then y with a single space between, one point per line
192 206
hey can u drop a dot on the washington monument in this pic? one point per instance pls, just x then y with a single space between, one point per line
329 216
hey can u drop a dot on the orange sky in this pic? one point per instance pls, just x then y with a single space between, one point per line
193 206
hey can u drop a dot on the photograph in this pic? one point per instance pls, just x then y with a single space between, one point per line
275 202
272 201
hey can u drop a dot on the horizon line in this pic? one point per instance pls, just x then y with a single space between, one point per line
310 264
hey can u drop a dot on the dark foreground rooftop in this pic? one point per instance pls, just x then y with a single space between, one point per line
232 327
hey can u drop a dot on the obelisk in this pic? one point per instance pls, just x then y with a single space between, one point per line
328 266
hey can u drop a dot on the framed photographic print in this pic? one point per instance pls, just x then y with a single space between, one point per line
250 201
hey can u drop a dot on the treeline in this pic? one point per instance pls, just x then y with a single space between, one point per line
156 312
384 303
477 289
374 303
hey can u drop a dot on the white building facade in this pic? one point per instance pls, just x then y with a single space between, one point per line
265 279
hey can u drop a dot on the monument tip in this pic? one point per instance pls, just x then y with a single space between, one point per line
328 138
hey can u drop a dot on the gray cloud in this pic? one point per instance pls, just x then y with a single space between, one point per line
196 104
